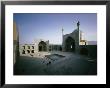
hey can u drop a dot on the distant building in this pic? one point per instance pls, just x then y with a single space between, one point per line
39 45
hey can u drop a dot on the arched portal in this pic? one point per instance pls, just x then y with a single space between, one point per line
70 44
42 46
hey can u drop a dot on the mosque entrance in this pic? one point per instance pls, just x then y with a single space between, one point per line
70 45
42 46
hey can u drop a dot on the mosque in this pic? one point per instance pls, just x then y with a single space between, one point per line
71 43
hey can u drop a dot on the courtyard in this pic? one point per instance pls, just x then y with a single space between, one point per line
55 63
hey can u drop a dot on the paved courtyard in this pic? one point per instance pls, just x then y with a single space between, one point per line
55 63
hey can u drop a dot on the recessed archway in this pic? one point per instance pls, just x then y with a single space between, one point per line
28 51
42 46
70 44
23 52
32 51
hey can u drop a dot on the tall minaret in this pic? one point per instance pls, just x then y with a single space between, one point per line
62 38
62 31
78 25
62 34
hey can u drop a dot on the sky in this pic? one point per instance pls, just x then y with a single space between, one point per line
48 26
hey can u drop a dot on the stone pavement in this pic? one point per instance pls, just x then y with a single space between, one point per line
70 64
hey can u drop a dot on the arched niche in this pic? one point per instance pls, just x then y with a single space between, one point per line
70 44
42 46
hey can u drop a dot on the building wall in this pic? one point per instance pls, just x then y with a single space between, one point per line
15 43
91 50
27 49
54 47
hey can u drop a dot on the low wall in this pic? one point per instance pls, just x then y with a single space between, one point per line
89 50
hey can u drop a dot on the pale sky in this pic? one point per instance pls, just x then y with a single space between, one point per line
48 26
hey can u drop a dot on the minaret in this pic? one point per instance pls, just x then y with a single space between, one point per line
78 25
62 32
62 38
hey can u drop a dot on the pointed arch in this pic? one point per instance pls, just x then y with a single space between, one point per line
42 46
70 44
